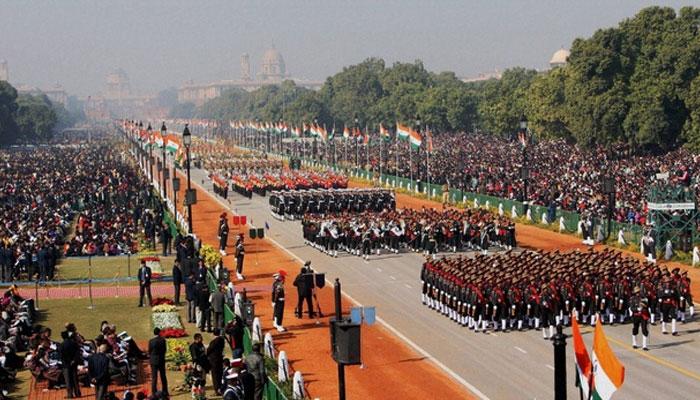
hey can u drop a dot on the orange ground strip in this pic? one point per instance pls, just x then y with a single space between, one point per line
391 368
535 238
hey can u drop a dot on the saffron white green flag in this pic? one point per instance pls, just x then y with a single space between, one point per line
608 372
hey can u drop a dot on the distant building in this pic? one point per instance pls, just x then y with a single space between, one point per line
273 71
4 71
56 94
118 85
484 76
118 100
559 58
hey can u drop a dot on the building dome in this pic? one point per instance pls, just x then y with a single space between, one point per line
559 58
273 67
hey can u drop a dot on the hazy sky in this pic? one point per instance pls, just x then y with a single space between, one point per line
164 43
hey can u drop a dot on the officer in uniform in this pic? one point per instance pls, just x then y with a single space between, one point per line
223 234
233 390
278 299
668 298
639 306
240 255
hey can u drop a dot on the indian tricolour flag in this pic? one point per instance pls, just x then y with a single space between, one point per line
402 131
383 132
583 361
346 133
415 139
171 145
608 372
158 139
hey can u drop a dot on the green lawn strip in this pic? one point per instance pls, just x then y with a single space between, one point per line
74 268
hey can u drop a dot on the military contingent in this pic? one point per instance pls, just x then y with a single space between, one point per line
428 230
294 204
539 290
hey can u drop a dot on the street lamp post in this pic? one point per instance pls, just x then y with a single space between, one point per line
187 141
150 154
176 188
163 132
357 126
524 171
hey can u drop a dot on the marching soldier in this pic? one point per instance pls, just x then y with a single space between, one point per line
639 307
668 299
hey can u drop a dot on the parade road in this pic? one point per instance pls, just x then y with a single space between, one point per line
513 365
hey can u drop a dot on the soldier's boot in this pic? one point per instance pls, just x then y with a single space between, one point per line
335 253
611 318
485 326
537 323
477 324
544 333
551 331
422 298
645 340
557 319
520 324
682 316
663 327
377 251
692 311
674 332
634 342
653 319
566 320
503 325
593 318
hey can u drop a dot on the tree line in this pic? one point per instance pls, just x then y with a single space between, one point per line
637 83
26 118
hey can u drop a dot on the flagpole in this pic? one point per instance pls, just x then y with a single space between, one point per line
367 147
427 156
381 139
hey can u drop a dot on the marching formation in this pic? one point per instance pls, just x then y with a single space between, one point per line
539 290
427 230
295 204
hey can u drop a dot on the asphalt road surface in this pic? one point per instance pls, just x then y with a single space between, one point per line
514 365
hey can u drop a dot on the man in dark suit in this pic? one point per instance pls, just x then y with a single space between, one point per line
165 237
98 370
223 234
177 281
156 352
144 276
215 355
204 306
191 297
255 364
218 299
42 261
70 358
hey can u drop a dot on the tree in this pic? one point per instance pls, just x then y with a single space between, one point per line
8 107
35 118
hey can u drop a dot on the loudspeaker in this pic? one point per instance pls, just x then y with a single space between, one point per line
345 342
252 233
261 233
248 312
190 197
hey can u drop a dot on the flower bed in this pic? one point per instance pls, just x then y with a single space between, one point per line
173 333
161 300
164 320
177 352
164 308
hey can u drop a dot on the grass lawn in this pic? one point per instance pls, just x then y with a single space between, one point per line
106 267
119 311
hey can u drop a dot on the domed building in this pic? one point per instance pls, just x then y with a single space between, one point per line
272 66
559 58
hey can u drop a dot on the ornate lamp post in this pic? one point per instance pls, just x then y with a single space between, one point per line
165 173
189 196
525 169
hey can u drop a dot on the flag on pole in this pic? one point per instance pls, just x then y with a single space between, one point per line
171 144
402 131
429 141
346 133
365 138
415 139
522 138
383 132
158 139
608 372
583 361
296 132
322 133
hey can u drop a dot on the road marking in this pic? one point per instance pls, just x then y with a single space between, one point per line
392 277
655 359
520 350
549 366
379 269
408 286
476 392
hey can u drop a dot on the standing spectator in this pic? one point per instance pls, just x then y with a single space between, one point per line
218 299
165 237
215 356
191 297
144 276
177 281
71 356
240 254
304 292
156 352
204 306
255 364
98 370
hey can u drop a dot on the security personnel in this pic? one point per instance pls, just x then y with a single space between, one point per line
278 299
144 276
223 234
639 306
304 285
240 254
233 390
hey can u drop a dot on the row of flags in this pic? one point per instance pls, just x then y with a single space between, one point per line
403 132
154 138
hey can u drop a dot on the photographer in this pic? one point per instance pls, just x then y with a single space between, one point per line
305 285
